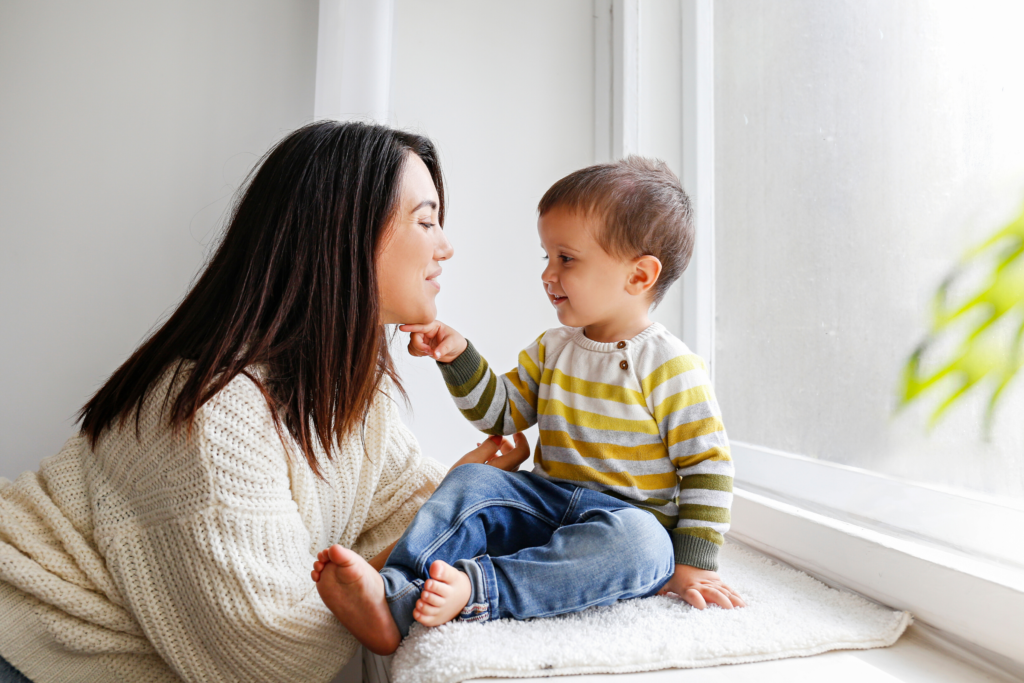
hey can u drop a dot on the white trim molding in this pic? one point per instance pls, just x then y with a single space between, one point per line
979 603
980 526
699 175
616 79
353 60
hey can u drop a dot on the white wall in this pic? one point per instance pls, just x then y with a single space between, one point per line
125 128
506 93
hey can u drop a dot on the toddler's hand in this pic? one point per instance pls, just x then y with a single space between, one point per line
700 587
436 340
510 458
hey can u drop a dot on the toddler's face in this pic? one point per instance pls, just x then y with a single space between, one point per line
586 284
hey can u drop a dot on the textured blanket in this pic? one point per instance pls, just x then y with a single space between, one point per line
788 614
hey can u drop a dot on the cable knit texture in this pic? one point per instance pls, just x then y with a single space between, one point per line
172 556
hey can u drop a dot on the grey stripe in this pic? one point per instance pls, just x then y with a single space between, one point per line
723 467
698 444
698 411
718 499
469 401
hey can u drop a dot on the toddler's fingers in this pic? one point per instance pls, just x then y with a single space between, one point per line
716 597
694 597
417 327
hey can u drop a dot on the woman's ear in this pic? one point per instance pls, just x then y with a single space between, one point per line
644 275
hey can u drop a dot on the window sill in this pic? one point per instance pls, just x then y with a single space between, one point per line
978 605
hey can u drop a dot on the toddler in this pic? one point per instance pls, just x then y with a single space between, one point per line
632 480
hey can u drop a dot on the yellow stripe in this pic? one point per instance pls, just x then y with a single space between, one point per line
670 369
603 451
540 349
582 387
684 399
522 387
691 430
644 482
531 368
590 420
517 418
714 454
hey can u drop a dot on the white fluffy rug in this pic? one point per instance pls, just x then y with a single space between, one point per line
788 614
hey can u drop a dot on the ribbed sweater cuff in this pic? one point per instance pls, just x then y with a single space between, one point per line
462 369
694 551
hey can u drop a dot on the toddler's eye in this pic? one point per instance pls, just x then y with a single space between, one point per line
565 259
545 257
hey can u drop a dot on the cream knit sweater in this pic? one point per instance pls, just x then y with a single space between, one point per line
166 556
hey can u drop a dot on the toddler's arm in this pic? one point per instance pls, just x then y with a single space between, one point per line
683 403
494 404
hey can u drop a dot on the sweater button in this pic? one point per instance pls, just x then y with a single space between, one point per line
621 345
624 365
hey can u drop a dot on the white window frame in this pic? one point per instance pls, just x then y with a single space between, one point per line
955 562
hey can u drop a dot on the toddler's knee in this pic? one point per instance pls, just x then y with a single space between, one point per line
645 535
471 481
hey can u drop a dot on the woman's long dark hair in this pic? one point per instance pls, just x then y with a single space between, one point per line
292 287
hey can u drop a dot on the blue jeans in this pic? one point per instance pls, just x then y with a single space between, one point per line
9 674
530 547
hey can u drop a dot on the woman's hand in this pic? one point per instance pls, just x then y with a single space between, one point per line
510 458
436 340
700 587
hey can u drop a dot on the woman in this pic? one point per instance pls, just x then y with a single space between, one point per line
172 537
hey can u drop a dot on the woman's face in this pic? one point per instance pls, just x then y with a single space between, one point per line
409 263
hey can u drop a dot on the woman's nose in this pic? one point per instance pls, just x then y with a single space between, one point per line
444 249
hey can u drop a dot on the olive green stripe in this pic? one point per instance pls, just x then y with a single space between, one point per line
711 482
704 513
479 411
464 373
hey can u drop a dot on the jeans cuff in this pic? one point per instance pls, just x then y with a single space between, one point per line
401 595
483 595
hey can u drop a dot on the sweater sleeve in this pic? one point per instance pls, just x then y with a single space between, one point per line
407 479
216 571
680 396
496 404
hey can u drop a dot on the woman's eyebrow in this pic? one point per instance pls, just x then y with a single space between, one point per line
426 202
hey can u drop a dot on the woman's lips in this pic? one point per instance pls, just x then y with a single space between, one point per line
435 283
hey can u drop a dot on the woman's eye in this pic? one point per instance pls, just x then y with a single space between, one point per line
427 226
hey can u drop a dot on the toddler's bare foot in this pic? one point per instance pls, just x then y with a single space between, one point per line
354 592
444 595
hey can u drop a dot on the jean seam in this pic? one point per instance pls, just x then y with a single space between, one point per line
571 508
402 593
443 538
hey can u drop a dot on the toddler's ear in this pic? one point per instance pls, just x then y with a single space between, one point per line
644 275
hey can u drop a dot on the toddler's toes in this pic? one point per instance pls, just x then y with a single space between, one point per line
429 598
438 588
439 570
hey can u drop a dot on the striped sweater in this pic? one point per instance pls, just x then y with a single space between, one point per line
635 419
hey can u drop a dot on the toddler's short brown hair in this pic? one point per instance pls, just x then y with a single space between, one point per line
643 207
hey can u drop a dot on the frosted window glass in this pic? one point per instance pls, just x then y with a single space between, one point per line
861 149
